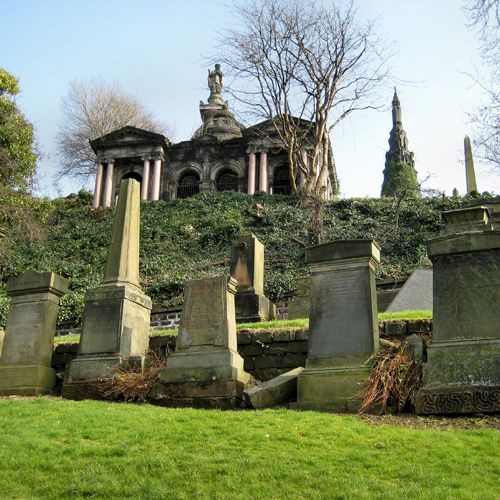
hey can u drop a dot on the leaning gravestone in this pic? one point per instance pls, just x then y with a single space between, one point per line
298 305
115 329
25 362
416 293
247 268
343 326
205 370
462 374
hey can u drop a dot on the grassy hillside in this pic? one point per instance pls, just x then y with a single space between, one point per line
190 238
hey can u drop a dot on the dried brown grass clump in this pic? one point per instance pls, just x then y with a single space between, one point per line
393 381
130 384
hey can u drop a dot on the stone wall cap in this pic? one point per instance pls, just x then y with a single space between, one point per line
35 282
343 249
464 243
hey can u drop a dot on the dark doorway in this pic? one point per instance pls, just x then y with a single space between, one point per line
281 180
133 175
227 180
189 185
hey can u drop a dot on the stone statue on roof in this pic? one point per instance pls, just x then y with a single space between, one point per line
215 80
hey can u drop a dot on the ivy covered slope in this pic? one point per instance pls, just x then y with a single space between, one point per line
190 238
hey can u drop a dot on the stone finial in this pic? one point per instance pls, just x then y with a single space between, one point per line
470 174
123 258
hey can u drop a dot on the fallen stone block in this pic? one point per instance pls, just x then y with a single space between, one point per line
276 391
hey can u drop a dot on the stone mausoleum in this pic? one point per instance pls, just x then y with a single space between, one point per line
221 155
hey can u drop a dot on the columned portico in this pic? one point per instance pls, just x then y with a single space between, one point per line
108 185
263 172
98 185
251 174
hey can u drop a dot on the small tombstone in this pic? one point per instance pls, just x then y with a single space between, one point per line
298 305
343 326
416 293
115 328
205 369
25 362
247 268
462 374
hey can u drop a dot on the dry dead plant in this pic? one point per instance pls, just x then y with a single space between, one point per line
393 381
130 384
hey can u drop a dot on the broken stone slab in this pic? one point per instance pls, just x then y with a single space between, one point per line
276 391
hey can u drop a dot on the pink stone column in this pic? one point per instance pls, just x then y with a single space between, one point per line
263 172
145 180
98 185
155 194
251 174
108 186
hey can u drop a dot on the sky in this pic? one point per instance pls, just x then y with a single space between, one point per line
160 50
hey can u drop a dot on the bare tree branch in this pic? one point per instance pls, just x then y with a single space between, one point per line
90 110
304 66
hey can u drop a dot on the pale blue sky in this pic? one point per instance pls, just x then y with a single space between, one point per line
158 51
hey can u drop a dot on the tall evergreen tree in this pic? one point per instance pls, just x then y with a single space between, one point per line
17 143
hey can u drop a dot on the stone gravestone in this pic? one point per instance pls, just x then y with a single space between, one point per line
416 293
298 305
115 328
247 268
462 374
343 326
205 370
25 362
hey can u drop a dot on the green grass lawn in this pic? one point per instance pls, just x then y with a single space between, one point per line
54 448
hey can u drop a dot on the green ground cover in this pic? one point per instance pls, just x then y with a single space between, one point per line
54 448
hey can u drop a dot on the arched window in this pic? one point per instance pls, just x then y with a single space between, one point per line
281 180
227 180
189 185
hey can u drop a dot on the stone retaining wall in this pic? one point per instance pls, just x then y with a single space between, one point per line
266 353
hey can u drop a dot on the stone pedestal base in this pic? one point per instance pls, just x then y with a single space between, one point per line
331 388
202 378
458 400
201 365
252 307
461 376
26 380
223 394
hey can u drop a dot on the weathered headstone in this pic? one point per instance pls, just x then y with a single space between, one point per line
25 362
416 293
2 336
343 326
470 175
298 305
205 369
462 374
247 268
115 329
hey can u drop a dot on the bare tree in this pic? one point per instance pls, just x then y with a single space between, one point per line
304 66
485 19
92 109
